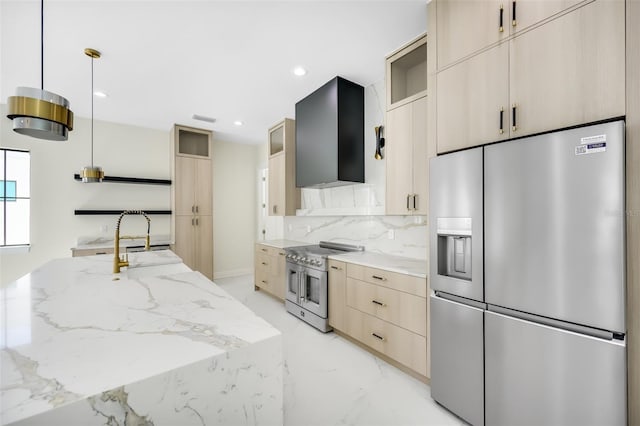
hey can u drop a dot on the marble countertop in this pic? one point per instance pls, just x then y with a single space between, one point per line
403 265
70 332
282 244
107 242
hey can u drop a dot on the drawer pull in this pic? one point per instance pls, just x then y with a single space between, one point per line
379 303
377 336
514 124
264 263
264 250
375 277
101 252
514 21
501 26
281 253
336 268
501 129
263 282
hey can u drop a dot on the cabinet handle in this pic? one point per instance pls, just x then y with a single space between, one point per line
264 250
264 263
191 221
275 208
514 125
197 222
336 268
513 14
281 253
377 336
501 28
193 209
197 208
415 201
263 282
501 130
378 278
379 303
408 208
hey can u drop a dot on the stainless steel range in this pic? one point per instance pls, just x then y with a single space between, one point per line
307 290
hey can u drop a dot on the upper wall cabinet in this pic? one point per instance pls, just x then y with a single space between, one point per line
467 26
561 73
284 197
191 142
406 76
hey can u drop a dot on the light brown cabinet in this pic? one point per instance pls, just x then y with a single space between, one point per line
337 294
406 130
557 74
192 198
284 197
468 26
407 171
270 270
387 311
406 73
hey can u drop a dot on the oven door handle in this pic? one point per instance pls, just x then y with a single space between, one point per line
303 287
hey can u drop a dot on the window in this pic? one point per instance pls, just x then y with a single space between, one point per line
15 184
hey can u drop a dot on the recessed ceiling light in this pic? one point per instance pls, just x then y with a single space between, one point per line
299 71
100 94
238 123
203 118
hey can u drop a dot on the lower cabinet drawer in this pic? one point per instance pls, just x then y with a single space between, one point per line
407 348
402 309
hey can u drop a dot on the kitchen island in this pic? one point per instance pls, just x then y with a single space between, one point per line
157 344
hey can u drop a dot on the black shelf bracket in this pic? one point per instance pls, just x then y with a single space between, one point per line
123 179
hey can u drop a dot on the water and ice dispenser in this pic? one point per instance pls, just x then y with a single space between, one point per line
454 247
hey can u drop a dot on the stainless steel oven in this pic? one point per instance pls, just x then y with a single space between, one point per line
307 290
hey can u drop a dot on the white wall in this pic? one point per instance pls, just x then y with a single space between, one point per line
234 207
121 151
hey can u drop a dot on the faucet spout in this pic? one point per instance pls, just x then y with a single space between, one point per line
119 262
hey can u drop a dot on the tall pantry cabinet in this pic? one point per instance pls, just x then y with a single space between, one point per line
192 198
406 130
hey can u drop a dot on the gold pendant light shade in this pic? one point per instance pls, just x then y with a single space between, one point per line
37 112
40 114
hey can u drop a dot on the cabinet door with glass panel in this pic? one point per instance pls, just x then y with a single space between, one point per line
284 197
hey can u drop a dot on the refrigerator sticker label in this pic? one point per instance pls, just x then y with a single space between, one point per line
591 148
593 139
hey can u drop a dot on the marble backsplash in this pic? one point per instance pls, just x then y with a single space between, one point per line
396 235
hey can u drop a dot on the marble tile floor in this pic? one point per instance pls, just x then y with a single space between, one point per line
330 381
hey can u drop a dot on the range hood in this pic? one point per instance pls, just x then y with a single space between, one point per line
330 136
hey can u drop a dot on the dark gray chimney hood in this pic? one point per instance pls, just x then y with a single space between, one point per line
330 136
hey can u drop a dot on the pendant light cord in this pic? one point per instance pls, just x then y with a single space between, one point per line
92 112
42 44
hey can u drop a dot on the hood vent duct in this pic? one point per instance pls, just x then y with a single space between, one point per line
330 136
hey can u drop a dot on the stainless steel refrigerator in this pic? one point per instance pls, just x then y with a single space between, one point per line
527 267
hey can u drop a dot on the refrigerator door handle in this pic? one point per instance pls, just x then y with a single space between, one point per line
567 326
461 300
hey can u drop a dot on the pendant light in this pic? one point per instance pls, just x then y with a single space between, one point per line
90 174
37 112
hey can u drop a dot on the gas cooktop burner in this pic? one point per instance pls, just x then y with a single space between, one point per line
315 256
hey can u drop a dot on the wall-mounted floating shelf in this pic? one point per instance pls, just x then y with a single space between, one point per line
114 212
123 179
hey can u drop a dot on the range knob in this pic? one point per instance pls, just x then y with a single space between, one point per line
316 262
304 260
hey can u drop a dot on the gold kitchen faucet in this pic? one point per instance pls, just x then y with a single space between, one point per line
124 261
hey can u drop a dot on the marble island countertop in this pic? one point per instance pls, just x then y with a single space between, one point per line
403 265
166 347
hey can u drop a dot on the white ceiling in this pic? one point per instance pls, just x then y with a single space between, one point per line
163 61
